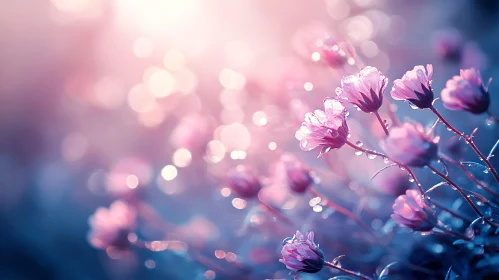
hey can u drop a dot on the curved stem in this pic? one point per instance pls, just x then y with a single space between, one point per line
383 155
450 232
349 272
342 211
469 140
450 211
277 213
381 123
458 188
469 175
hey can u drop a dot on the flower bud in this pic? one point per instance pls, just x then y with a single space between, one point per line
293 173
409 145
301 254
410 211
415 87
365 90
243 181
466 93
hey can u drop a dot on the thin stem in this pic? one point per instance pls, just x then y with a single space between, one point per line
450 232
277 213
381 123
496 119
469 140
342 211
458 188
469 175
450 211
349 272
383 155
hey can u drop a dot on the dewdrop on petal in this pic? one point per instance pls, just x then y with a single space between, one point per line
301 254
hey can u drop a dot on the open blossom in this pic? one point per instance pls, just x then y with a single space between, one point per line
326 129
410 211
243 181
111 227
409 145
292 172
415 87
301 254
365 90
466 93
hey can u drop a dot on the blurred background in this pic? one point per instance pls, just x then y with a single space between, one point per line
154 100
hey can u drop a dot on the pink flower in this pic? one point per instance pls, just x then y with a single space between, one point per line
365 90
292 172
466 93
332 53
409 145
243 181
326 129
301 254
110 227
448 44
410 211
415 87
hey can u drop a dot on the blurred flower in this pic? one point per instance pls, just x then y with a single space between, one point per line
243 181
193 132
448 44
292 172
301 254
466 93
392 182
332 53
409 145
415 86
410 211
110 227
326 129
365 90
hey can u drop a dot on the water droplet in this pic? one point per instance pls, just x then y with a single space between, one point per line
413 106
402 168
489 121
358 153
359 143
386 160
411 180
371 156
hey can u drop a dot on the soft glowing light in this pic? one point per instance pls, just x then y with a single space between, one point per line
109 93
238 155
215 151
239 203
232 98
174 60
74 146
231 79
308 86
317 208
272 146
316 56
235 137
231 257
225 192
360 28
182 157
169 172
143 47
260 118
161 83
132 181
219 254
210 274
140 99
369 48
150 264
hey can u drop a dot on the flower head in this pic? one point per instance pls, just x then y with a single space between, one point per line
332 53
292 172
415 87
410 145
111 227
410 211
326 129
301 254
243 181
448 44
466 93
365 90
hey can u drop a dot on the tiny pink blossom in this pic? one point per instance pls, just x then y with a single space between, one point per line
466 92
409 145
415 87
365 90
110 227
301 254
243 181
332 53
410 211
293 173
326 129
